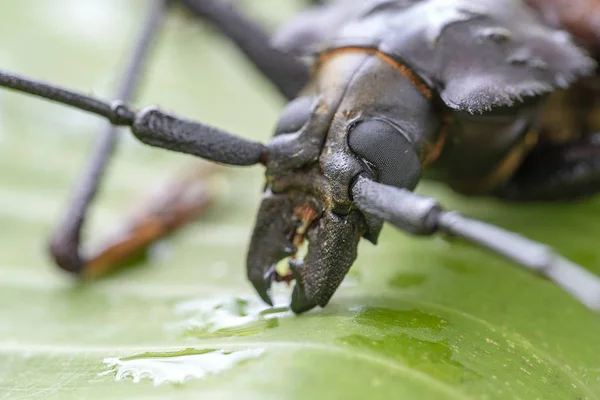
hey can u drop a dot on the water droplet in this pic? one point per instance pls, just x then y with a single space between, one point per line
459 267
430 357
407 280
229 317
177 367
460 350
384 318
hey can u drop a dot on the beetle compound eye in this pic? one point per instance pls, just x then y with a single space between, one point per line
385 147
295 115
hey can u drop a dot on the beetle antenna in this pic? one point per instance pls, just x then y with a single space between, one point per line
116 113
152 125
424 216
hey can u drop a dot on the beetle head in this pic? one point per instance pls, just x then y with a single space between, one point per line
375 123
306 199
310 173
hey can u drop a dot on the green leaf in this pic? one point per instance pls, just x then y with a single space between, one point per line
415 319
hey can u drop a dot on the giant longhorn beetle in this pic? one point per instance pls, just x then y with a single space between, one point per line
459 91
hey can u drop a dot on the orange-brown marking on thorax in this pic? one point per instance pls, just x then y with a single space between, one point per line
395 64
435 149
504 170
507 167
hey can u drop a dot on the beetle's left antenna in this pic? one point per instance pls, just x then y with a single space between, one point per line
151 125
424 216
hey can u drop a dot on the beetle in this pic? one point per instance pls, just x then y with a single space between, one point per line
462 92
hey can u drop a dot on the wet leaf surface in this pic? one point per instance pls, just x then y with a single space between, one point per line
417 318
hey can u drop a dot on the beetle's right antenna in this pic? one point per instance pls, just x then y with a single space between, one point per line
424 216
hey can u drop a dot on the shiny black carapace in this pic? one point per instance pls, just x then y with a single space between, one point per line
382 94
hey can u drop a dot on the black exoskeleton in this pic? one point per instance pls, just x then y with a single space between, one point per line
399 90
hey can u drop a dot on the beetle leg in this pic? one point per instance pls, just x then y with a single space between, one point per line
151 126
173 204
65 241
286 72
420 215
557 172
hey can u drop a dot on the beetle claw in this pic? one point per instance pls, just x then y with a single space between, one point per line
284 221
270 242
300 301
331 252
263 285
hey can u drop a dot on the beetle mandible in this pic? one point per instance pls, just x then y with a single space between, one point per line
461 92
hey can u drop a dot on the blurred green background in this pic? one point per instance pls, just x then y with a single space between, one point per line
416 318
